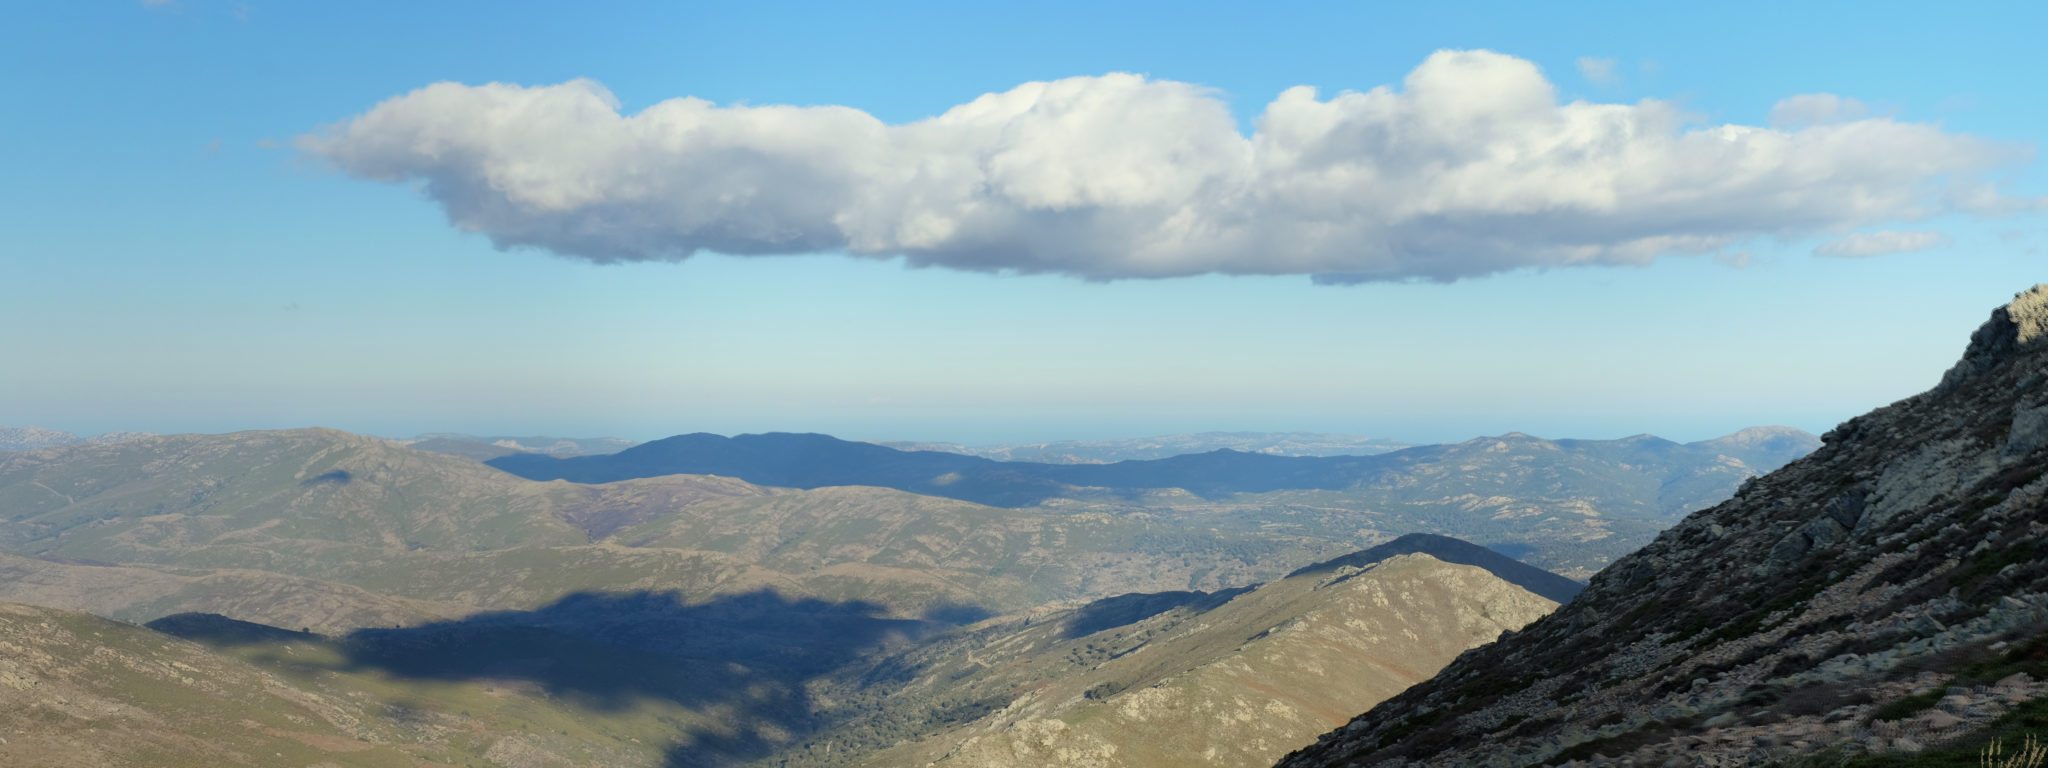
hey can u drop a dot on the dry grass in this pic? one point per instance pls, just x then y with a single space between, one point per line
2031 754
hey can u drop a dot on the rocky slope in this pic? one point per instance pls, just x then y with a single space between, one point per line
1887 593
1227 679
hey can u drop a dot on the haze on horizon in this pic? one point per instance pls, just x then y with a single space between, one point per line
1005 225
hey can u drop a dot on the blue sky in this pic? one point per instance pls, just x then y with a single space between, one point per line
182 253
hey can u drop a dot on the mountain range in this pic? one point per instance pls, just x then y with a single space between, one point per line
1166 446
1672 470
1570 506
483 447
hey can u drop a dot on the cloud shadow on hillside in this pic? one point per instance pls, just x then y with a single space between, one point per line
750 652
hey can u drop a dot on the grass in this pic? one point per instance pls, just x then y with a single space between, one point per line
1990 747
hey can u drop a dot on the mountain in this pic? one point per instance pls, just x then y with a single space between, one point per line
35 438
1232 678
813 461
1766 448
483 447
468 449
32 438
1886 594
1166 446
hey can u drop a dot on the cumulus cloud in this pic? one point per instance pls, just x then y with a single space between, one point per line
1816 109
1874 243
1599 71
1470 167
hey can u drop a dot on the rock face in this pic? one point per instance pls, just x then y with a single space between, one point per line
1829 605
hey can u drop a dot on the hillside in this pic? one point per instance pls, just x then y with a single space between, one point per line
1885 594
78 691
1569 506
1230 678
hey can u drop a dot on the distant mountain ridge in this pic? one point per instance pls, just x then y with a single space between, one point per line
38 438
1166 446
814 460
482 447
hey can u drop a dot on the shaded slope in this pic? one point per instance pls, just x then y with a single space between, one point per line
640 678
1545 584
545 688
1904 557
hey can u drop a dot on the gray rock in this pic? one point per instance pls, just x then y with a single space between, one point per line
1925 624
1937 720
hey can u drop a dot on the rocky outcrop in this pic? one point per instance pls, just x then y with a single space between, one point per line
1885 593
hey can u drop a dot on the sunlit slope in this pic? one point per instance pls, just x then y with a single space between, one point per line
1012 558
84 692
1235 678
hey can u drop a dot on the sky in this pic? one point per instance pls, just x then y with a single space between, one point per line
1006 222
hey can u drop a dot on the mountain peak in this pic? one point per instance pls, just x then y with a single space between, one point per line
2013 330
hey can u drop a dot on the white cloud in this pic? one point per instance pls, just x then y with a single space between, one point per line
1816 109
1735 259
1471 167
1599 71
1874 243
